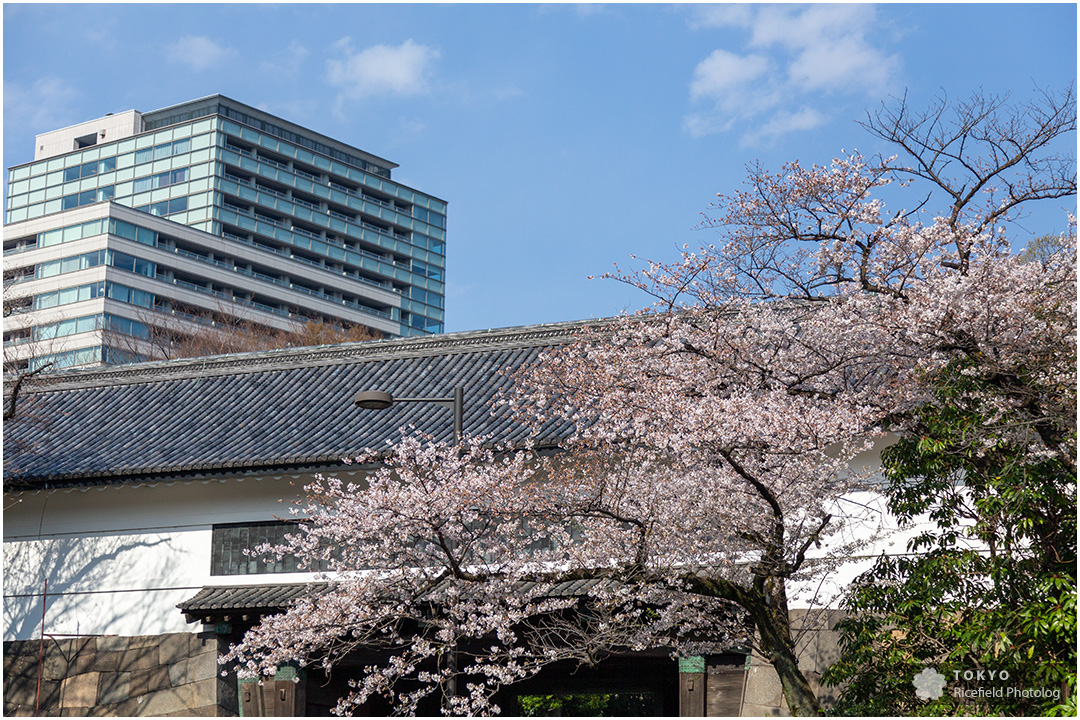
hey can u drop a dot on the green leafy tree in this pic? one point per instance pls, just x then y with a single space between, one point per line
991 586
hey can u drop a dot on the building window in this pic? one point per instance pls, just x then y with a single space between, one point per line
71 358
89 169
228 556
86 198
165 179
159 152
165 207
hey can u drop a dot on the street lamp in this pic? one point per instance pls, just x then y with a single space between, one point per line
377 400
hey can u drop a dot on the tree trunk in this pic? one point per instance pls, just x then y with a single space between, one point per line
773 624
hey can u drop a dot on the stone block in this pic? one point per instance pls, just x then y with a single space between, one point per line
108 660
759 711
763 687
143 641
115 687
178 673
203 643
204 692
129 708
140 658
84 645
18 648
208 711
156 678
203 666
50 696
138 686
80 690
166 701
55 664
174 648
83 660
112 643
20 658
74 711
21 689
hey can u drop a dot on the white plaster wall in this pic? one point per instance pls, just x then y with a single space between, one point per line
868 530
119 559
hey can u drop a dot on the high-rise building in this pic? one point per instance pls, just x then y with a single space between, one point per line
171 220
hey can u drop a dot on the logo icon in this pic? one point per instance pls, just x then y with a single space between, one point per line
929 684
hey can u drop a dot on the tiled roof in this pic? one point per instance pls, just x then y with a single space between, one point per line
216 601
270 410
212 601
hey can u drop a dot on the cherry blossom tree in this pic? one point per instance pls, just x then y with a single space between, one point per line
716 468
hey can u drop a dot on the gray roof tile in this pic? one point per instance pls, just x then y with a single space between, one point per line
267 410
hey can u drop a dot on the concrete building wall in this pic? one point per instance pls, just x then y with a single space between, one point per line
101 130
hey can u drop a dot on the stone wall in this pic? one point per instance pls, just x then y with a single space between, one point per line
817 647
158 675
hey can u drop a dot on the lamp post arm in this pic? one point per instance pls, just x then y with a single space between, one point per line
456 403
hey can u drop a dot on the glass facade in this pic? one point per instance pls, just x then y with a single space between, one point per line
229 170
128 172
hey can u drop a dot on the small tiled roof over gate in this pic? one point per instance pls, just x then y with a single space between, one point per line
217 601
264 411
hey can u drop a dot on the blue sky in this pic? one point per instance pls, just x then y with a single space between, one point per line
564 137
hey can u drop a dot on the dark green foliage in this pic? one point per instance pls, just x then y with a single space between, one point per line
991 585
620 704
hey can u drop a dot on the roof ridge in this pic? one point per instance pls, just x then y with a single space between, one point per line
313 356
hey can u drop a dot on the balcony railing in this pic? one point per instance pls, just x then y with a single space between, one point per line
274 163
20 249
306 233
276 281
236 209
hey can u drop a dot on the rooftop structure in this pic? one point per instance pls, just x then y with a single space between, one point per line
138 223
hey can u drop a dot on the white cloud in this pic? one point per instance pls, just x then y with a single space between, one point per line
718 16
790 55
381 69
846 64
784 25
784 122
831 46
198 52
721 71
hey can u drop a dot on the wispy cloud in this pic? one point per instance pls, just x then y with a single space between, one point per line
783 122
198 52
288 61
790 57
722 71
44 105
402 70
